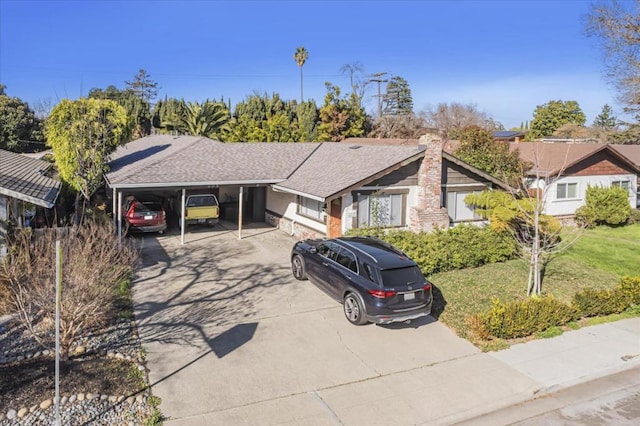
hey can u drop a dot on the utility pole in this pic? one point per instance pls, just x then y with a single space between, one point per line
377 78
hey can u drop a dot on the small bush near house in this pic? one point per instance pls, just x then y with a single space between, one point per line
604 206
464 246
634 217
509 320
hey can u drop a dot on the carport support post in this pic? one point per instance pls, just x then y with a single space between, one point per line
114 207
240 214
182 202
119 217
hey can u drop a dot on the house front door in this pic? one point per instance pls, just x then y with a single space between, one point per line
335 218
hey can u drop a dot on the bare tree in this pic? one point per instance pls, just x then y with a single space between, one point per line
455 116
520 211
94 265
405 126
616 25
359 86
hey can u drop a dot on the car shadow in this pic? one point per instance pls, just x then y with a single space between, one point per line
415 323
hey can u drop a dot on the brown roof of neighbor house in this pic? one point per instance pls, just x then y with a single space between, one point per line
553 158
25 178
336 167
632 152
381 141
160 160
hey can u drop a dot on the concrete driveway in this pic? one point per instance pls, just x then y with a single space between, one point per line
232 338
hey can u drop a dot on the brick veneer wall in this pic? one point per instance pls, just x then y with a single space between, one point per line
428 214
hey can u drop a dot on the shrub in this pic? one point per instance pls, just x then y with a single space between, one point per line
464 246
593 303
634 217
522 318
604 206
630 288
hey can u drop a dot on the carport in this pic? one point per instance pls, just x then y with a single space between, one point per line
181 165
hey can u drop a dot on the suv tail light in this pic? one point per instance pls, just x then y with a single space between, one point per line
381 294
427 287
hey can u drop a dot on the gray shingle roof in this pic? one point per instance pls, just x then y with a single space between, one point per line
24 178
161 159
335 167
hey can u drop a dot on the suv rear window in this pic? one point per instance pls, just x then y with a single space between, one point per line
202 200
401 276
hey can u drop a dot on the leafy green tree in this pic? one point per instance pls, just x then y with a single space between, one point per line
548 117
18 123
340 117
138 110
143 86
397 100
307 115
606 120
166 114
82 134
301 57
263 118
478 148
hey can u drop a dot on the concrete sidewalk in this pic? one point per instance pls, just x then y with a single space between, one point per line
577 356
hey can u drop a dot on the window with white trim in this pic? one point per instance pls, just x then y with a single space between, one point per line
381 210
310 208
566 191
621 184
458 210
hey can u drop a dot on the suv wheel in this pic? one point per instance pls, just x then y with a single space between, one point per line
297 267
353 310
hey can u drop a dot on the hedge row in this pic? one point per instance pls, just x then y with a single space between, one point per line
510 320
464 246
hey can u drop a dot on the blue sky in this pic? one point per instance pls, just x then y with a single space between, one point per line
504 56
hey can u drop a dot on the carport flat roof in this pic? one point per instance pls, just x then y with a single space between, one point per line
183 161
25 179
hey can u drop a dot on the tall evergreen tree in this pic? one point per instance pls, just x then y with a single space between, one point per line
143 86
605 120
397 100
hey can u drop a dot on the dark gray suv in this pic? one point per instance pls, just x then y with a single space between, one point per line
372 279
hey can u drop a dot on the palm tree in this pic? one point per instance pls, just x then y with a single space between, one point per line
301 57
205 119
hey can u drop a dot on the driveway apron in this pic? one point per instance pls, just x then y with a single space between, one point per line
232 338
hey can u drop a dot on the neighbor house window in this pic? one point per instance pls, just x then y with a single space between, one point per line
310 208
566 191
459 210
621 183
381 210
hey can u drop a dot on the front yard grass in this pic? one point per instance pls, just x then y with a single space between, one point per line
598 260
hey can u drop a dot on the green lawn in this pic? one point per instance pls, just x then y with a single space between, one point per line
597 260
616 250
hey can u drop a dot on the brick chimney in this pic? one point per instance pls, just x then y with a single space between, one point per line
429 213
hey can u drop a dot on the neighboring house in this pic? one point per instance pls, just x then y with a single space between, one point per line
24 184
565 171
632 152
306 189
509 135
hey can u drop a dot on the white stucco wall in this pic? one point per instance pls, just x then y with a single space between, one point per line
285 205
559 207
